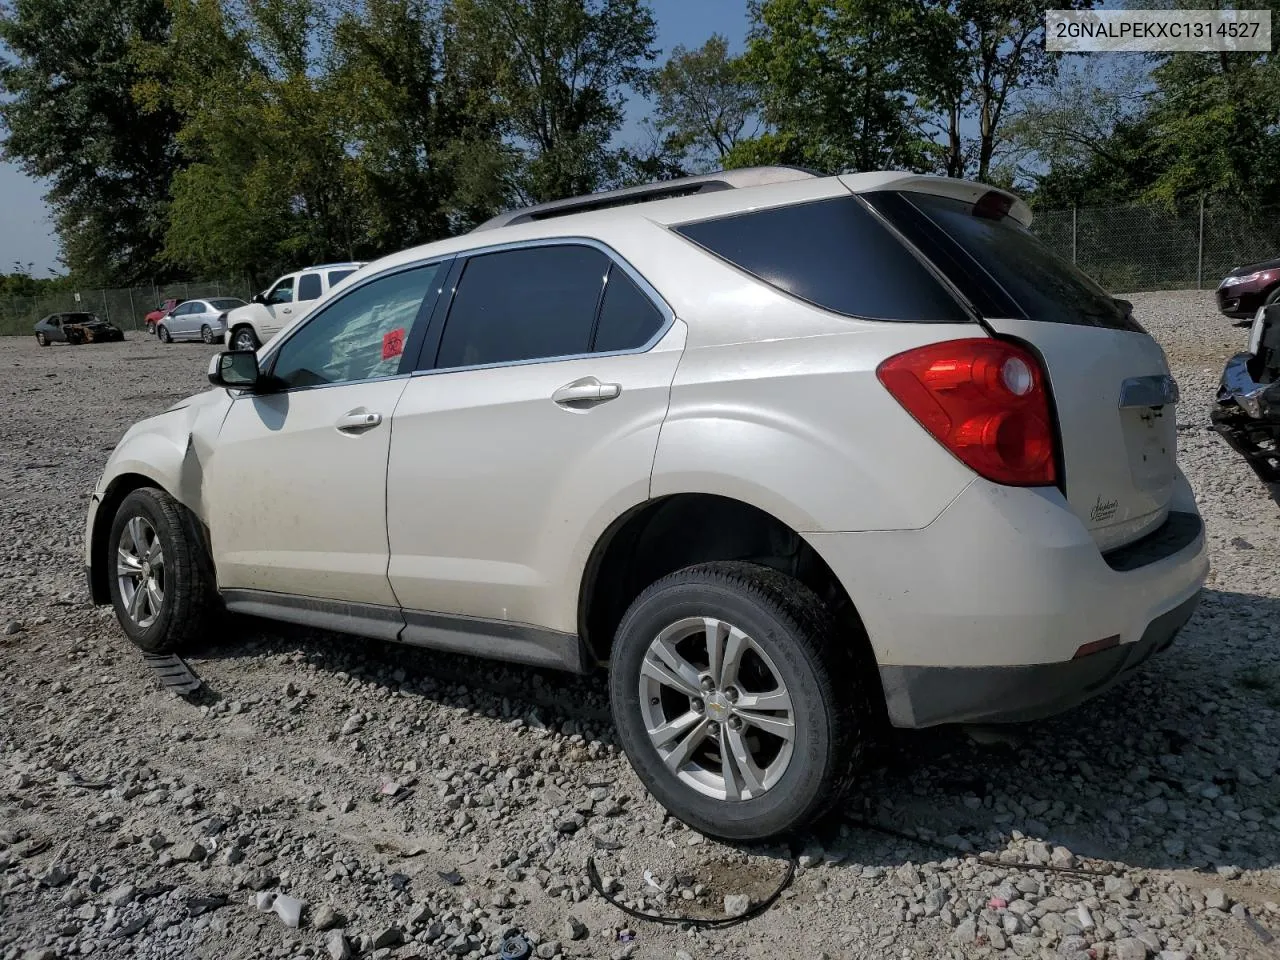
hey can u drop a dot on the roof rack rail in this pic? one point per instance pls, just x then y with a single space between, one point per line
661 190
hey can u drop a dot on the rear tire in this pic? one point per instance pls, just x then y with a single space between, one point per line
793 676
244 338
163 333
206 334
161 583
42 339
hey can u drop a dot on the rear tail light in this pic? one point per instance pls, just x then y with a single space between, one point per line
985 401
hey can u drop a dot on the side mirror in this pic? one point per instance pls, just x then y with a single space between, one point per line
236 369
258 298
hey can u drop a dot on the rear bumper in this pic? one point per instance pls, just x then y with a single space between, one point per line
926 696
981 614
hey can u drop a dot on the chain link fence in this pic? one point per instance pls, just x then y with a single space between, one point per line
1134 248
126 308
1127 249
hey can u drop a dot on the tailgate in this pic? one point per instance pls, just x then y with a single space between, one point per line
1118 429
1109 380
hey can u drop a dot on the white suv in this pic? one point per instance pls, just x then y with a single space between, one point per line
787 455
288 299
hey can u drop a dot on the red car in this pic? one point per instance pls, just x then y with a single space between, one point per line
159 313
1245 289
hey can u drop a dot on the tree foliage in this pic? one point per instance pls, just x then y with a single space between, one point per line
557 73
66 102
705 104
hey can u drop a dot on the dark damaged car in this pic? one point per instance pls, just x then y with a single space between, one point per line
1245 289
1247 414
75 328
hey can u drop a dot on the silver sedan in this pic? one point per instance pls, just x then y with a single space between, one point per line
198 320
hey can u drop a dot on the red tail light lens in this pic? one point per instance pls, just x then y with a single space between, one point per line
985 401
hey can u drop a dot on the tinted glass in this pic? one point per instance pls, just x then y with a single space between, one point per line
226 303
337 276
628 318
309 286
526 304
1000 265
359 336
282 292
834 254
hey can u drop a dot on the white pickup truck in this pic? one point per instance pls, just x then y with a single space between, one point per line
289 298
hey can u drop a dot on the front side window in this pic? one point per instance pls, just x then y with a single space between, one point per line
309 286
282 292
359 336
534 303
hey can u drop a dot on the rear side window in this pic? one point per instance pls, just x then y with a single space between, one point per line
836 255
337 276
533 303
628 318
999 264
309 286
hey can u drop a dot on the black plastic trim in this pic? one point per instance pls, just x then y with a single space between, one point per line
929 696
1178 532
474 636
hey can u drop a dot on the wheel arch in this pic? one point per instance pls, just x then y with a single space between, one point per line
668 533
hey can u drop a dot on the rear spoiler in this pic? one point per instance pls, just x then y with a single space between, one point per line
1008 204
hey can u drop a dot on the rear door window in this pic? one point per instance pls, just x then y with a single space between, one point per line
309 287
628 318
998 264
533 303
834 254
337 276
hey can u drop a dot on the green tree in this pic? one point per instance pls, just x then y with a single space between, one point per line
705 104
66 104
557 73
268 186
836 79
418 139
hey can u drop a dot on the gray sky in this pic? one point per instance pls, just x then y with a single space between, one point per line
26 234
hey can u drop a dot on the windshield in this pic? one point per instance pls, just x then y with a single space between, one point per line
998 264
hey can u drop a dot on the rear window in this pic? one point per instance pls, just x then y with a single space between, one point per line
834 254
226 303
999 264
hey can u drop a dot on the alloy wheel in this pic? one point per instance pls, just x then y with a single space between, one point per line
206 334
245 340
716 709
140 571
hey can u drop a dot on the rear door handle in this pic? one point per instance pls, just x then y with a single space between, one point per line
358 421
586 392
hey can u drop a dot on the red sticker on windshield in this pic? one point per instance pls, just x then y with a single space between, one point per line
393 344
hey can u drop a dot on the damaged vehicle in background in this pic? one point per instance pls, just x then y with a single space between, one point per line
76 328
1247 414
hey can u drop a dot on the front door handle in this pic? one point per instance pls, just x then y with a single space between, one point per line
586 392
358 421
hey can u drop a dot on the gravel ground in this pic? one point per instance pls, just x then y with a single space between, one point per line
416 804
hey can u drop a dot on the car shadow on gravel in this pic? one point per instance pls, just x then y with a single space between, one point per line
1173 769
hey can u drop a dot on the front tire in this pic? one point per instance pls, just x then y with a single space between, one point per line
163 333
161 585
42 339
736 700
243 338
